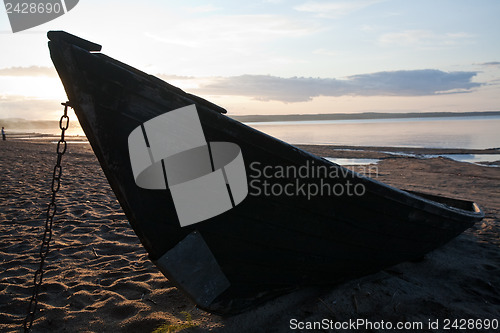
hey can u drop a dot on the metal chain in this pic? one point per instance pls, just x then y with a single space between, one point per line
51 211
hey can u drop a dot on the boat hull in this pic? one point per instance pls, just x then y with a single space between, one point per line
270 242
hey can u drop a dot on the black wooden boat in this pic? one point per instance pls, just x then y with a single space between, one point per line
268 243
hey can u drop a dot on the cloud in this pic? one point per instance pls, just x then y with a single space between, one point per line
173 77
425 39
326 52
28 71
266 87
29 107
202 9
222 32
491 63
413 82
334 9
299 89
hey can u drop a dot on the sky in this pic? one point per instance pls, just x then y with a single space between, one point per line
277 56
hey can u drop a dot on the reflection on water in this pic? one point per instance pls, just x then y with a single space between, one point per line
352 161
34 133
469 158
452 132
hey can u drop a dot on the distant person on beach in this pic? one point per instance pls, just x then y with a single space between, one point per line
3 134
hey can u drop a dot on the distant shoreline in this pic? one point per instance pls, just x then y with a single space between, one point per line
359 116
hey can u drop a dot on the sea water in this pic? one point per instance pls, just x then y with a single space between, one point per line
440 132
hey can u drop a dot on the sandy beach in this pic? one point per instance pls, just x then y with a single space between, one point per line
98 277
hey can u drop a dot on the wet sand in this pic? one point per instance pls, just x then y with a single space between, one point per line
98 277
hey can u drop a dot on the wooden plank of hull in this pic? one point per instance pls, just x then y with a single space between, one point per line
266 244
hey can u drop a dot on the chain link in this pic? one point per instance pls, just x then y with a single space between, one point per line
50 213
